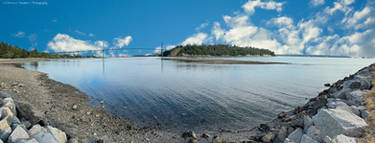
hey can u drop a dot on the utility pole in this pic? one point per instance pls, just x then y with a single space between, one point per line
161 50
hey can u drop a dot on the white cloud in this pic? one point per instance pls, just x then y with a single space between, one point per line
270 5
121 42
202 26
91 34
19 34
196 39
217 31
358 19
66 43
317 2
282 21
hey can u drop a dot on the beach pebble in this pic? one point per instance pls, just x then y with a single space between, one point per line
75 107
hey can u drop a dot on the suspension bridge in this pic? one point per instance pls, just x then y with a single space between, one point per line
103 50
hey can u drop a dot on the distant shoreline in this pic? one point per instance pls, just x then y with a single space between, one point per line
219 61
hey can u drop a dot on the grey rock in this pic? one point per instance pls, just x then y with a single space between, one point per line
27 141
188 134
58 134
288 141
364 114
204 135
218 139
45 137
332 122
268 137
314 133
307 139
27 124
8 102
296 135
327 139
307 122
72 140
36 129
75 107
18 134
344 139
355 98
5 129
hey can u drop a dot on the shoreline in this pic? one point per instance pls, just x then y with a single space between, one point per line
53 102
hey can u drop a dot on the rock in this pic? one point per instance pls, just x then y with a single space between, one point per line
355 85
58 134
4 94
282 133
342 93
75 107
327 139
16 122
332 122
192 141
18 134
288 141
73 140
101 101
5 129
36 129
27 124
7 114
190 134
364 114
327 85
344 139
204 135
218 139
357 109
27 141
8 102
355 98
296 135
45 137
268 137
282 115
307 122
314 134
307 139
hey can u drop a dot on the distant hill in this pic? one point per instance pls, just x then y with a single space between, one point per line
9 51
217 50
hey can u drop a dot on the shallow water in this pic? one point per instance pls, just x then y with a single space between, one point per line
201 96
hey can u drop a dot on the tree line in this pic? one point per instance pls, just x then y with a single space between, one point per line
217 50
9 51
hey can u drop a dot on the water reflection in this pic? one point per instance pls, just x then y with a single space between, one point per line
181 95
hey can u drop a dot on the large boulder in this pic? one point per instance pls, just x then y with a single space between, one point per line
296 135
58 134
36 129
307 139
5 129
355 98
332 122
8 102
344 139
27 141
307 122
18 134
45 137
314 133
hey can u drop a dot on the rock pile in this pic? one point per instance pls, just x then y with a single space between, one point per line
336 115
14 129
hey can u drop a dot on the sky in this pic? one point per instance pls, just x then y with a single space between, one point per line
306 27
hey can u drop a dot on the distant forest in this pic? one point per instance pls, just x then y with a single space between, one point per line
217 50
9 51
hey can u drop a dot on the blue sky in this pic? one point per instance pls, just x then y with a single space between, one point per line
319 27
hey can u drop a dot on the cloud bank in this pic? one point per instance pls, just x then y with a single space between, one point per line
65 43
337 29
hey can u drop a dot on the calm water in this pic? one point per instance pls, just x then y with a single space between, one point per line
201 96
